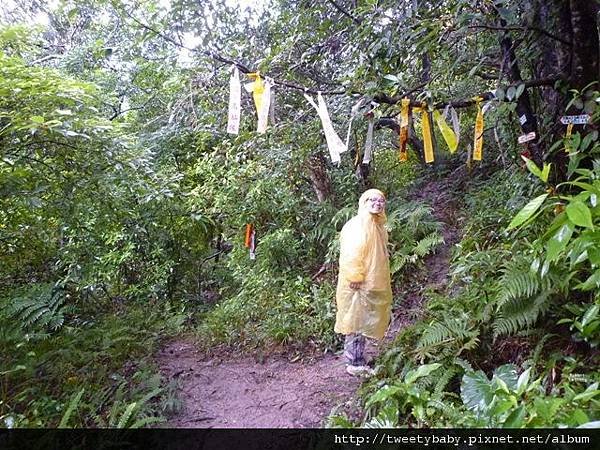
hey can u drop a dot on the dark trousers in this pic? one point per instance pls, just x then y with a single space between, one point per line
354 349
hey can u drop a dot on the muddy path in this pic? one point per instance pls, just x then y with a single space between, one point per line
241 392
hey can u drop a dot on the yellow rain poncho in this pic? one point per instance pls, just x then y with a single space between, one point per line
364 258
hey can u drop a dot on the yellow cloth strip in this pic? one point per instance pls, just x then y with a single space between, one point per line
404 112
403 138
357 155
478 138
257 92
427 142
568 134
404 129
446 131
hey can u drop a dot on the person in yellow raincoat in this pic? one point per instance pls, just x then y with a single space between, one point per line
364 293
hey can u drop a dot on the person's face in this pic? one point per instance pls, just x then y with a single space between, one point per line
375 204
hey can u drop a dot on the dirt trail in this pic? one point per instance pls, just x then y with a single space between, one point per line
239 392
437 194
243 393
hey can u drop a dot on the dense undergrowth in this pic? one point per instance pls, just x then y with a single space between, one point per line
97 371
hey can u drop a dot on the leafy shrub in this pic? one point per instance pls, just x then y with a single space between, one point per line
97 372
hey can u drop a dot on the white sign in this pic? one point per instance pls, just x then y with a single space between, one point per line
527 137
581 119
523 119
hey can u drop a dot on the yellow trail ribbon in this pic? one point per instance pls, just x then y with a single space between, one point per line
257 89
427 141
404 129
257 93
478 138
403 138
569 129
446 131
568 134
404 112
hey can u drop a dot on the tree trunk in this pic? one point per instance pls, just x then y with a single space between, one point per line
554 59
321 183
586 51
524 110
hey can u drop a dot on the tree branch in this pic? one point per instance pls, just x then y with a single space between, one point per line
522 28
355 19
382 98
243 68
44 59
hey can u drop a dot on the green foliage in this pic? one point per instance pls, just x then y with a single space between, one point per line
567 258
510 400
525 293
414 233
502 289
507 400
97 373
585 321
271 308
389 403
121 193
37 309
452 335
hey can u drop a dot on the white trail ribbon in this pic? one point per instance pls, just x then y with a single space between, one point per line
487 107
369 142
455 124
263 113
272 108
235 92
353 113
446 112
334 143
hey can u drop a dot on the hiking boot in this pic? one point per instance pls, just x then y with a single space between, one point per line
358 371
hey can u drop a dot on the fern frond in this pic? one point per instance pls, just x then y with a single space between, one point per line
342 216
39 308
535 355
127 414
518 280
463 363
455 334
147 421
519 314
72 405
428 244
516 283
414 216
435 334
444 379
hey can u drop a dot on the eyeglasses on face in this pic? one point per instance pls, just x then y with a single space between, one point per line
377 200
